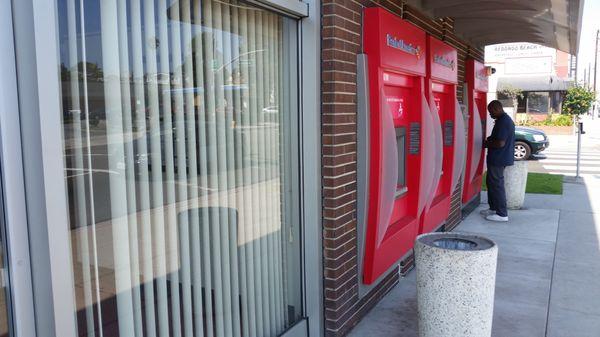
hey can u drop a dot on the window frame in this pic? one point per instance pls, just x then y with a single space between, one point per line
38 75
16 274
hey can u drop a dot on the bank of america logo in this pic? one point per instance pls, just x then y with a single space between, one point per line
401 45
446 62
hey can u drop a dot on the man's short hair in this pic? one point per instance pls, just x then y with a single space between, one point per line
495 105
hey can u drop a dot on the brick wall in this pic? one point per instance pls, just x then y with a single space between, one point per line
341 42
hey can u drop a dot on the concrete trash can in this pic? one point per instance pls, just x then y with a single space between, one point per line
515 181
456 278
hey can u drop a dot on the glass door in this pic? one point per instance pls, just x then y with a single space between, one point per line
180 161
16 293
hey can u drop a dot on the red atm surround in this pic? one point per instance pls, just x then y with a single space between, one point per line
477 87
441 80
399 118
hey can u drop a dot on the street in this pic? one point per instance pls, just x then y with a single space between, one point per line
561 156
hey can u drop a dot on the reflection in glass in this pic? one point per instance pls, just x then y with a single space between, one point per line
538 102
179 150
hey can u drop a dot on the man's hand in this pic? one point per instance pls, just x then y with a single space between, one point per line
491 143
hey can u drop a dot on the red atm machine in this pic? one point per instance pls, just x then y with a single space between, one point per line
477 87
441 82
400 126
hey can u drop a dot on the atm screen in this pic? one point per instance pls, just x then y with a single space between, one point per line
401 148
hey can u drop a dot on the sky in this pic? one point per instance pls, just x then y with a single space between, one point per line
587 41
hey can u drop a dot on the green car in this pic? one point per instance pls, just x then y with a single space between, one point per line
528 142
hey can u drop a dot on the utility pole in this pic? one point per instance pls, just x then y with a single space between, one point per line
595 71
579 132
589 75
576 69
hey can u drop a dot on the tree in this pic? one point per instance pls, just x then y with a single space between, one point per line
578 101
513 93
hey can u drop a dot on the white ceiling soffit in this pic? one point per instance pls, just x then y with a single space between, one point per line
553 23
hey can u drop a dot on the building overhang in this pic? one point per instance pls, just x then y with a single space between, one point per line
552 23
535 83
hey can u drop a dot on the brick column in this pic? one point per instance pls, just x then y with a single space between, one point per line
341 42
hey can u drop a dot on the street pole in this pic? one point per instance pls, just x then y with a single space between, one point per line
576 69
595 71
579 132
589 75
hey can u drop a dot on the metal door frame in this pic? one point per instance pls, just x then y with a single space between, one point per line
20 298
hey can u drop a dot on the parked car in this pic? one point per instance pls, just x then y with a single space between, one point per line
529 141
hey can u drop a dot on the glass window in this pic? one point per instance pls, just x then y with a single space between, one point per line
180 149
538 102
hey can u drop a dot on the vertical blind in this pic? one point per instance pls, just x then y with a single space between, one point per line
181 155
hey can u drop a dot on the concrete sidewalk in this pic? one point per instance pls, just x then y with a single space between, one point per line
548 280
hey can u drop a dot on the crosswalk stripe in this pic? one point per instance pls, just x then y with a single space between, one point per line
569 157
568 151
570 173
569 161
569 168
574 155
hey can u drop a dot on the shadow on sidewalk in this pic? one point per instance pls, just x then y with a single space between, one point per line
548 277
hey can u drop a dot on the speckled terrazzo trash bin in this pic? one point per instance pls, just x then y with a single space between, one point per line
515 181
456 277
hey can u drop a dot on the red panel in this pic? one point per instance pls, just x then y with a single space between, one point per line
394 43
396 57
477 75
442 61
399 102
441 79
477 84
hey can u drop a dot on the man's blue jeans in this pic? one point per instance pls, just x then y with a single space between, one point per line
496 193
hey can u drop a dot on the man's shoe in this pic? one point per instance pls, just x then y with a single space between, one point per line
497 218
486 212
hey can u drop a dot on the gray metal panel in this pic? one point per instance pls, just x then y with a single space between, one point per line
534 83
362 179
294 8
300 329
465 112
36 47
414 145
310 142
401 150
15 213
362 162
448 133
363 159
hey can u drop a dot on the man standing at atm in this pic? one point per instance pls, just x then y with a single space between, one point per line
501 153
